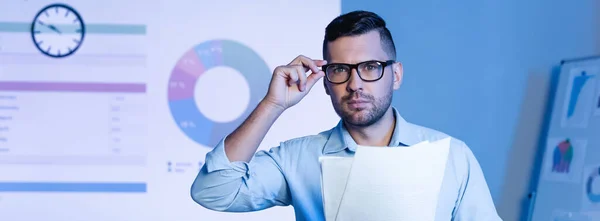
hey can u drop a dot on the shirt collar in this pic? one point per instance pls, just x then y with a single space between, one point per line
405 134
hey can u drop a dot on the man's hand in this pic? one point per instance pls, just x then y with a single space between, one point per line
288 86
290 83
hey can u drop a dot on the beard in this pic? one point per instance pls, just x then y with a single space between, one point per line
362 117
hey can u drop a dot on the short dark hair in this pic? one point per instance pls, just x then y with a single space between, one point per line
358 23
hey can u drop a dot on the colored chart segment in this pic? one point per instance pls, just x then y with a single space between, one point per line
181 85
564 159
193 124
211 53
72 187
578 84
192 65
591 195
563 156
579 98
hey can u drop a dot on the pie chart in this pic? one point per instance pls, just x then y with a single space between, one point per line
592 197
192 65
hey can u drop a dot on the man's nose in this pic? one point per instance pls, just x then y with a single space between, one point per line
354 83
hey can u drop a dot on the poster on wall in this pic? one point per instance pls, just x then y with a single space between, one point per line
591 189
134 95
579 100
564 159
211 64
73 110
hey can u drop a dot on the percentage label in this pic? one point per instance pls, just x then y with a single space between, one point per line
188 62
216 49
187 124
211 50
177 84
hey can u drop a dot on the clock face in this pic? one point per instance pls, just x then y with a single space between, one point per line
57 30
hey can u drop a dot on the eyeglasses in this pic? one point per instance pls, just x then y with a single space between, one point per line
368 71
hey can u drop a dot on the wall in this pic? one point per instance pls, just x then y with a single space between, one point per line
481 71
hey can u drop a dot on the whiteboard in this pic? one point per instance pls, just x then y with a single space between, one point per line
107 108
569 180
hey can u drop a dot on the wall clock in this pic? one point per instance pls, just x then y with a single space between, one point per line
57 30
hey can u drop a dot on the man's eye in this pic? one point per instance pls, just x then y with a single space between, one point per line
340 69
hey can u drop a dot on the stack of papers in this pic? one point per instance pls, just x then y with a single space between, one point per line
385 183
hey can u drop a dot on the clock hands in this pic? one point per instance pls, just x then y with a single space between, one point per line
52 27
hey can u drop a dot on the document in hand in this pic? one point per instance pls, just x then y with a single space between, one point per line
385 183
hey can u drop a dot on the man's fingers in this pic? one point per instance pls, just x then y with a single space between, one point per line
292 74
309 64
297 69
301 77
320 63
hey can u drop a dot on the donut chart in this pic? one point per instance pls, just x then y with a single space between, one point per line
593 197
192 65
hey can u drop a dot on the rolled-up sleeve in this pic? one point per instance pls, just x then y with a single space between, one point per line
222 185
475 201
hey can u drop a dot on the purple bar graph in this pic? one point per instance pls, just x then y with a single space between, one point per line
72 87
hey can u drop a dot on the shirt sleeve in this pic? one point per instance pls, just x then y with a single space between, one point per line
222 185
475 201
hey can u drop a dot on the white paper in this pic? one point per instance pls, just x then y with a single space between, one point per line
335 172
334 176
398 184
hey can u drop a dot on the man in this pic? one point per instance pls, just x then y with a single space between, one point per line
360 75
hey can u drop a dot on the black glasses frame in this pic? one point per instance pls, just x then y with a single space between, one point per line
384 64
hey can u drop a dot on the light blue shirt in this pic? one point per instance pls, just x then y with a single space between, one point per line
290 175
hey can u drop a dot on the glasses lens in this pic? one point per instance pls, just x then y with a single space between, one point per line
337 73
370 70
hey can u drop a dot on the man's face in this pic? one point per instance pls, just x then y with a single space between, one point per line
359 102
